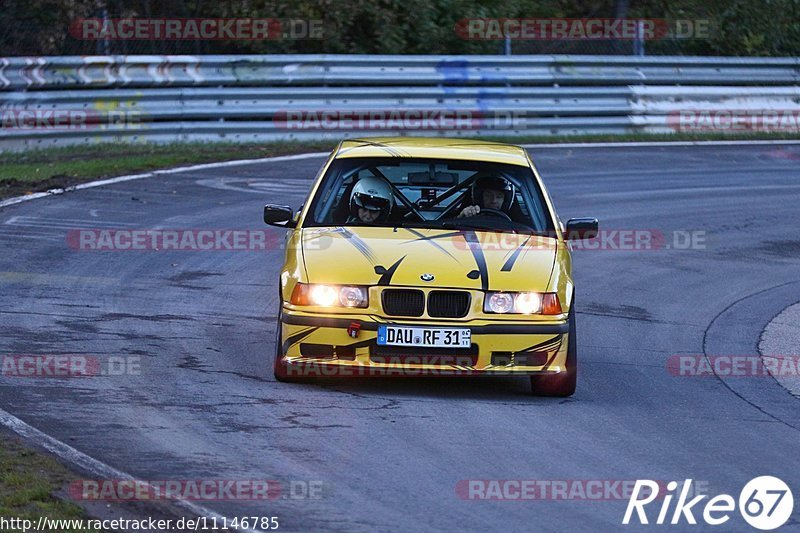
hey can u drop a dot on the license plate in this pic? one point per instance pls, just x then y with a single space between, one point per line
424 337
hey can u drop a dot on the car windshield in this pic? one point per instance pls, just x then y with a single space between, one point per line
430 193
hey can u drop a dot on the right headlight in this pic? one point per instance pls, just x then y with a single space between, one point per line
523 303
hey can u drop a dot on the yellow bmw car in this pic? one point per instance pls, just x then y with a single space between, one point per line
418 256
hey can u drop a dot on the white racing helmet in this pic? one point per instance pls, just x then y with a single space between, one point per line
372 193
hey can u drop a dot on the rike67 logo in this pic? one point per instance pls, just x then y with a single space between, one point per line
765 503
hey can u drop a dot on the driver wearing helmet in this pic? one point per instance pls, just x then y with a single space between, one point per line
490 192
371 201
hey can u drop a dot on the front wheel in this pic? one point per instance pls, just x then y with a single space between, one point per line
562 384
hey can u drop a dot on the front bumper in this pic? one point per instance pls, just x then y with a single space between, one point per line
322 345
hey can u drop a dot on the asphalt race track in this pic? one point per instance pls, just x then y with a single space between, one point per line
389 453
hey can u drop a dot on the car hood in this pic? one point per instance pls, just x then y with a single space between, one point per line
409 256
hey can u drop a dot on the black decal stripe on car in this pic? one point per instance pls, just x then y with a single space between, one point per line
392 151
297 337
550 361
474 246
358 344
434 237
555 349
360 245
421 237
550 344
509 264
386 278
539 246
489 329
553 345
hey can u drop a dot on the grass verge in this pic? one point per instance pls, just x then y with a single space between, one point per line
28 480
59 168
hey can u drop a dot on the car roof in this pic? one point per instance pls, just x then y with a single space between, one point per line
435 148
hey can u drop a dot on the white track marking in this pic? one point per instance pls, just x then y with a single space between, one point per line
25 237
252 185
63 223
22 219
89 464
223 164
118 179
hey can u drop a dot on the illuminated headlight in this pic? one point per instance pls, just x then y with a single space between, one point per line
524 303
330 295
528 303
323 295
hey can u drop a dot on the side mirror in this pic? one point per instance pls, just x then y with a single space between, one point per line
581 228
279 215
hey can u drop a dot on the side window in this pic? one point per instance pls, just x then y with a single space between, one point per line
329 197
341 212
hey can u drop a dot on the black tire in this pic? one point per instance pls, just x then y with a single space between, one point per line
281 371
563 384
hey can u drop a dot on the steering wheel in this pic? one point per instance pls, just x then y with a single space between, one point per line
494 212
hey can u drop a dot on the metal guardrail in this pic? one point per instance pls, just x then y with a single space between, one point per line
261 98
281 70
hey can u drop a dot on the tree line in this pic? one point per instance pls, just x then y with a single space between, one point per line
735 27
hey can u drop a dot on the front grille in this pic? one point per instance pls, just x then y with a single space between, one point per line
448 304
403 302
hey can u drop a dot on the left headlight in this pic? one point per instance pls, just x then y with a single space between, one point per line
330 295
525 303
